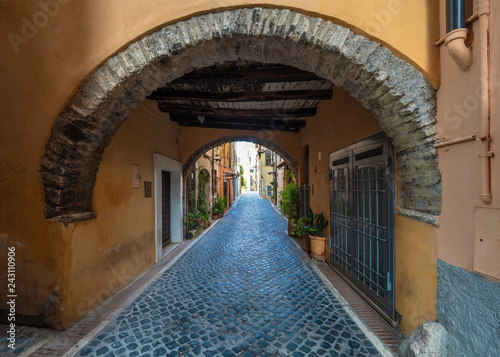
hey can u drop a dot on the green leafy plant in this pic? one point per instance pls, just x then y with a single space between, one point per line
192 224
300 226
289 198
224 203
203 178
242 179
318 223
220 203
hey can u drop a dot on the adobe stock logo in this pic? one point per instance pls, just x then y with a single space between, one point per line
31 26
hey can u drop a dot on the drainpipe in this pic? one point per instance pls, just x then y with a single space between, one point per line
484 18
462 55
456 34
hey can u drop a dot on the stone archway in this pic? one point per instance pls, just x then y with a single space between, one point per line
289 159
398 95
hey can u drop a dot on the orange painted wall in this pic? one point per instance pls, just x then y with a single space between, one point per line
108 252
340 122
343 121
41 73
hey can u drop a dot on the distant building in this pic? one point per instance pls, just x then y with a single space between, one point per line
266 163
246 158
214 175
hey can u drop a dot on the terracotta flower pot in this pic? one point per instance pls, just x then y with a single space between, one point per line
317 247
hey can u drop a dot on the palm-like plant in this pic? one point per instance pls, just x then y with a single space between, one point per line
318 223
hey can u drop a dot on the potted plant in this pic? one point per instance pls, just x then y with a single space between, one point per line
223 204
219 206
289 204
300 228
318 223
215 213
206 221
192 224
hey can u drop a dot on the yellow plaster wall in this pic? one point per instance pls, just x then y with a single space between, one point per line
266 178
41 67
108 252
415 242
416 272
348 122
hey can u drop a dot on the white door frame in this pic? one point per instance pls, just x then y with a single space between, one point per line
162 163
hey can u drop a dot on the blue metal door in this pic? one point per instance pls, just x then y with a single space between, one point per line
361 220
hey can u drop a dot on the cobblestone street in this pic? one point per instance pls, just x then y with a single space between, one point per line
243 290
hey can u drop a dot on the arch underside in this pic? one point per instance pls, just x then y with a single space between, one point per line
397 94
289 159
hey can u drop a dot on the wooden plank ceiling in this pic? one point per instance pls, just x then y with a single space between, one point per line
244 95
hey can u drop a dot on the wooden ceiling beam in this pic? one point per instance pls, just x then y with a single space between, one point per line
265 122
255 113
243 96
237 126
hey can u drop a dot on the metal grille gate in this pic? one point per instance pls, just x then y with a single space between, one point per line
304 198
165 208
361 219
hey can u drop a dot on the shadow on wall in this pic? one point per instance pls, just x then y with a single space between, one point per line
30 28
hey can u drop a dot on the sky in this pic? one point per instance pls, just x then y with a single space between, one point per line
242 148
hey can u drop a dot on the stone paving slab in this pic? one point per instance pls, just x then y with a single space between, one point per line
243 290
27 340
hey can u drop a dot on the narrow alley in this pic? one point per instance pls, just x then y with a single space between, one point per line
243 290
364 133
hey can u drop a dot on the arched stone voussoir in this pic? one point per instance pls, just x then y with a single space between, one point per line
399 96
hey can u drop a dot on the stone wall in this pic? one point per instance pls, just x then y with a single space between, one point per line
398 95
468 306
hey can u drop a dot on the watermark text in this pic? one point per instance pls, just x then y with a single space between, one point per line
11 297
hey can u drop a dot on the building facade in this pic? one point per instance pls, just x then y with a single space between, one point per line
246 156
267 173
411 122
